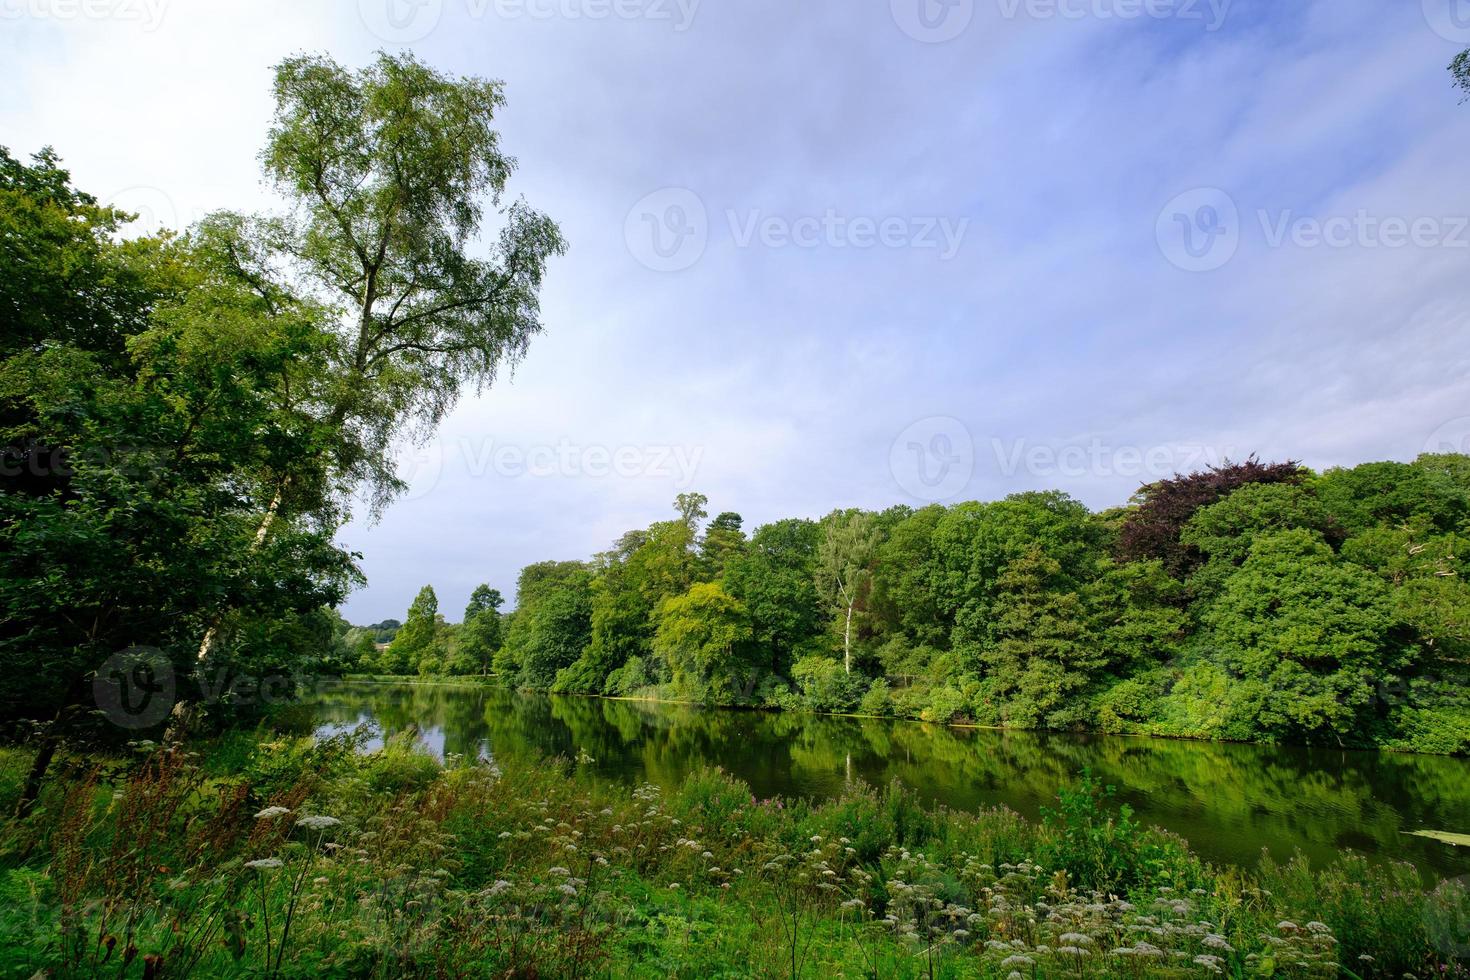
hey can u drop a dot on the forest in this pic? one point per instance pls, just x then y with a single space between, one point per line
1248 602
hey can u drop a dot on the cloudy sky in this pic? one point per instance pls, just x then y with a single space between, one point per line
862 253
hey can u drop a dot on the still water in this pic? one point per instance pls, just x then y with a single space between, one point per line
1229 801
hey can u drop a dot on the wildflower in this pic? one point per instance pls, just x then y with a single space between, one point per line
1017 960
557 871
1318 928
673 886
317 822
271 812
500 887
504 834
1214 941
1211 963
567 890
1076 939
263 864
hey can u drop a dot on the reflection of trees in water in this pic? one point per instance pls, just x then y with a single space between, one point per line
1228 799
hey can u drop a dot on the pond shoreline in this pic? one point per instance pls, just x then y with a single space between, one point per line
489 682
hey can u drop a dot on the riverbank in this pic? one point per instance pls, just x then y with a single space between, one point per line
652 695
283 855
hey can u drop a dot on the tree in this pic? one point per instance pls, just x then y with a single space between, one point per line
418 637
844 568
1309 635
1042 656
704 636
723 540
1152 528
552 623
775 579
141 421
387 170
480 633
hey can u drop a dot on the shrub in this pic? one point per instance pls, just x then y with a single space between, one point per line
876 701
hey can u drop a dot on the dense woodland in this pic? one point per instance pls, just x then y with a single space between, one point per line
1250 602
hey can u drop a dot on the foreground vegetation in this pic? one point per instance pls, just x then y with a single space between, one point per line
1248 602
287 856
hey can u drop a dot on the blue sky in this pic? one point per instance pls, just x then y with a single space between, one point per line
907 251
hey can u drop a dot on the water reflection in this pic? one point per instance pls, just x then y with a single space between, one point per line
1228 800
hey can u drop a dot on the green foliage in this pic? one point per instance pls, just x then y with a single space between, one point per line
825 686
324 860
705 638
1103 846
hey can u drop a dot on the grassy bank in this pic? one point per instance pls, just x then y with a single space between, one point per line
280 856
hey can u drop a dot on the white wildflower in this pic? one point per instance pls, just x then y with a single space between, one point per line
263 864
317 822
271 812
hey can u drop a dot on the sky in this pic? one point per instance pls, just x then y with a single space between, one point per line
864 253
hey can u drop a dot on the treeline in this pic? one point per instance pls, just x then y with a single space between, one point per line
1251 601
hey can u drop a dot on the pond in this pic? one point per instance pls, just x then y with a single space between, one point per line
1229 801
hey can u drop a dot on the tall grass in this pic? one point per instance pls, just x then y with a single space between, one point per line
292 857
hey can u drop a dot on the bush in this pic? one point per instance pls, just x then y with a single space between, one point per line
1103 849
825 686
877 701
